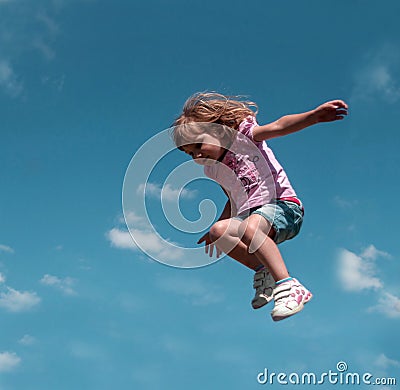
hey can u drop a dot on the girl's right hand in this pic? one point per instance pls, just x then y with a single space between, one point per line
331 111
209 245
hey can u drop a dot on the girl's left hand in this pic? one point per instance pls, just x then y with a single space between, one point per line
331 111
209 245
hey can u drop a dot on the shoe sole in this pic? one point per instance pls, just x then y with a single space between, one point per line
255 307
300 308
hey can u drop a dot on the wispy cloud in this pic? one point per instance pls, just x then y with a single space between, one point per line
9 361
384 362
50 24
388 304
27 340
371 253
357 272
56 82
5 248
145 238
149 242
8 80
18 301
28 28
44 48
121 239
64 285
378 77
166 192
132 219
44 41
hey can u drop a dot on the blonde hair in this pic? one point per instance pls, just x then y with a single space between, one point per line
205 108
216 108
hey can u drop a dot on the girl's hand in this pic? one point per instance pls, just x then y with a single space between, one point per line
209 245
331 111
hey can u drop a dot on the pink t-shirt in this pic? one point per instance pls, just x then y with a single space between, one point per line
249 171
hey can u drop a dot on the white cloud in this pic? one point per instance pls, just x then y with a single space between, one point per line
8 79
167 192
371 253
2 278
388 304
121 239
199 293
357 273
18 301
384 362
149 242
5 248
64 285
378 76
131 219
383 81
9 361
27 340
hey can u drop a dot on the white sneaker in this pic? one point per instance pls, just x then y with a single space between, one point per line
290 298
264 285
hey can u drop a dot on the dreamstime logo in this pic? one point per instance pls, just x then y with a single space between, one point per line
340 376
153 175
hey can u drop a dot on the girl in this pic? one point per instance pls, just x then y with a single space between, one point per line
262 210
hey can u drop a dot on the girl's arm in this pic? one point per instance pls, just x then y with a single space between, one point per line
327 112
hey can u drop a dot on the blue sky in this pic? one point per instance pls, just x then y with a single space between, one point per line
83 85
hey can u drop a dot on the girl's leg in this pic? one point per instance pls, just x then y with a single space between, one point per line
249 241
254 233
225 234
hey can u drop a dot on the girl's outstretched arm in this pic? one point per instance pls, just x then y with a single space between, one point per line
327 112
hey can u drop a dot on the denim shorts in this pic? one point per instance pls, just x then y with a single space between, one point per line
284 216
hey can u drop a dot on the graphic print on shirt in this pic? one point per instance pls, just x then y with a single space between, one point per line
245 170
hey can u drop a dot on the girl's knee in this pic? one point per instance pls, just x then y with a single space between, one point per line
218 230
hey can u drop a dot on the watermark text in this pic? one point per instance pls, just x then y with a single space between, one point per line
340 376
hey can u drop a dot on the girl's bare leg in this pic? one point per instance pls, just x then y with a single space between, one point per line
225 234
254 234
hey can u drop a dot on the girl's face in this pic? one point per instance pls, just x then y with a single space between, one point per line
205 149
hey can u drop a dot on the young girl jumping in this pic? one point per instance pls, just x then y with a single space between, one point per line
263 209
